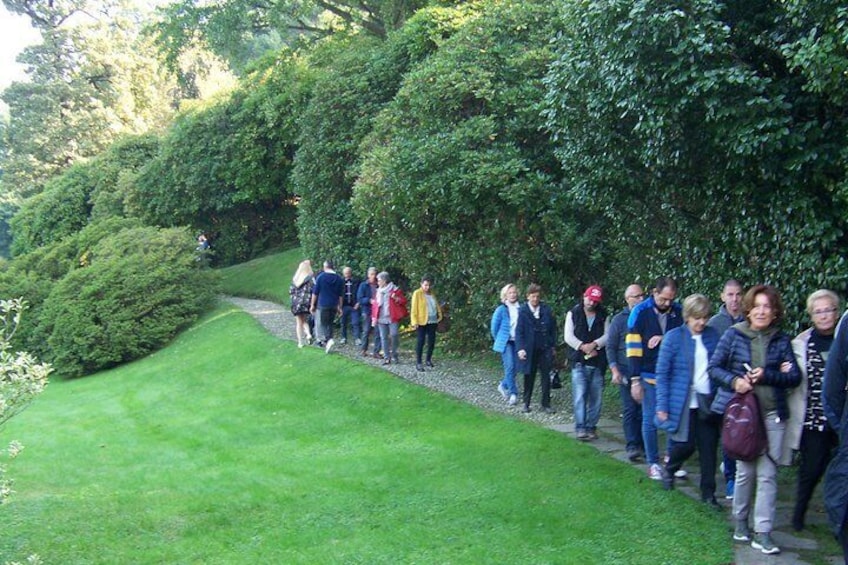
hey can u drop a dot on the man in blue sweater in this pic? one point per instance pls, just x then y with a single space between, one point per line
327 300
647 324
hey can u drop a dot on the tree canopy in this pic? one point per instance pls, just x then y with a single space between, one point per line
567 143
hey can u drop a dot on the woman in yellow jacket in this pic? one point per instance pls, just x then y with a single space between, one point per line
424 317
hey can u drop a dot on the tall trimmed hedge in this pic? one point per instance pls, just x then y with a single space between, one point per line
356 78
223 167
459 179
709 148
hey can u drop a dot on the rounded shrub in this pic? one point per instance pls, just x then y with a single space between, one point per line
132 293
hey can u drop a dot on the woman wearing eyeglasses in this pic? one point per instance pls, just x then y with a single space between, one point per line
807 430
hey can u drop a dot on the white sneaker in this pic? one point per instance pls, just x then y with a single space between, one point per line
300 345
513 400
655 472
358 341
329 346
503 391
680 474
343 340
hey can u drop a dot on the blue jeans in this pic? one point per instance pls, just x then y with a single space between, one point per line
631 419
729 467
508 359
350 315
367 329
649 428
587 385
389 338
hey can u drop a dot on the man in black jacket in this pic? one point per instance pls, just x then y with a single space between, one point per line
535 338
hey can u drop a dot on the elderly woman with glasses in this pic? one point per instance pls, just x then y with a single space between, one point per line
807 430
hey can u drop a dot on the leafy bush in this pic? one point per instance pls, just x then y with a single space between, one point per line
34 274
460 181
223 168
707 156
357 77
135 290
60 210
83 193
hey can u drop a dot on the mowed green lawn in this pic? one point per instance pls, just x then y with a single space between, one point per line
230 446
267 277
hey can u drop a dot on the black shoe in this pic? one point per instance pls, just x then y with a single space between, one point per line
430 363
387 362
419 367
667 479
797 522
525 409
712 502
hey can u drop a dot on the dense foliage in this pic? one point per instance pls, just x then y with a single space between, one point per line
112 276
358 77
132 294
460 181
223 167
91 80
708 152
86 192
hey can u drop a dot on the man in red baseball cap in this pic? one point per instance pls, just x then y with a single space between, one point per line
586 327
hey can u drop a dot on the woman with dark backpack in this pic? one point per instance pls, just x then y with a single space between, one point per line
755 357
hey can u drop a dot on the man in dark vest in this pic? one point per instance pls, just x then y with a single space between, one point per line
586 328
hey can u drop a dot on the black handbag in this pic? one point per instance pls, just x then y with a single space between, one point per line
556 382
705 414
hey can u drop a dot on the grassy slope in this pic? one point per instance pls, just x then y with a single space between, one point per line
232 447
267 277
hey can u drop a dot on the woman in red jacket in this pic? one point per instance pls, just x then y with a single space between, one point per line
387 310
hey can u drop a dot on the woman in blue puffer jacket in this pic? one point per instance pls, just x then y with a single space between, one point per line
684 394
502 328
754 356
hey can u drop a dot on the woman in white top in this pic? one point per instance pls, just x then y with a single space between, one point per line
684 395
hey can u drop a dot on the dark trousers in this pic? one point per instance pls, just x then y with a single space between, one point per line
426 334
541 362
327 317
367 330
816 452
703 436
843 539
350 316
631 416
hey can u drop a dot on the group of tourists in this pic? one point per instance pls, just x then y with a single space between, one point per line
678 368
371 306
